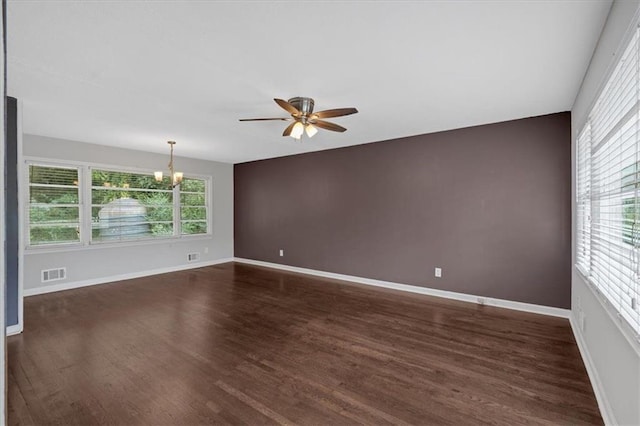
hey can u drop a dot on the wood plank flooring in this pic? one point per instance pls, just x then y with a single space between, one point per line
239 344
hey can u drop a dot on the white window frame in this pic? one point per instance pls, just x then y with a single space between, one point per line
208 190
629 326
85 202
27 198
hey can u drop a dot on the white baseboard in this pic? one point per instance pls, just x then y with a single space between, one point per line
594 378
482 300
508 304
14 329
112 278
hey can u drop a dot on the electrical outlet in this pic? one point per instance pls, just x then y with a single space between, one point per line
281 252
206 250
438 272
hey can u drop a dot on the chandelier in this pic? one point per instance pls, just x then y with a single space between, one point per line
176 177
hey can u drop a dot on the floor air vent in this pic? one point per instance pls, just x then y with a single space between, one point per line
54 274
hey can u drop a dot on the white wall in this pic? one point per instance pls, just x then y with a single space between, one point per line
611 353
101 263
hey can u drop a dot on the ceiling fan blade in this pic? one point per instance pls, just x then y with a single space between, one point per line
328 126
265 119
338 112
288 107
287 131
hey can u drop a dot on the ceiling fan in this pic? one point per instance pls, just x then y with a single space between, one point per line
304 119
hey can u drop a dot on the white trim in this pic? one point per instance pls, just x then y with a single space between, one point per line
12 330
3 284
481 300
622 45
58 248
44 161
598 389
104 280
21 219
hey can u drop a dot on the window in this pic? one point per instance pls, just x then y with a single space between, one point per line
608 190
193 206
122 206
127 206
54 205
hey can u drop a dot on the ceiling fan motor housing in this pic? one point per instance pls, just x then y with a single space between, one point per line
304 105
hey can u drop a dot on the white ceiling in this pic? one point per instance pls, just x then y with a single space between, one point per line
138 73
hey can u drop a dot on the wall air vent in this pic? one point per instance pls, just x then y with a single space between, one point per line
192 257
56 274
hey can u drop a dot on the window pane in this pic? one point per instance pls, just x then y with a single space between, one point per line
193 199
125 180
127 205
54 211
151 230
192 185
49 214
49 175
53 234
193 206
629 230
53 195
193 213
191 228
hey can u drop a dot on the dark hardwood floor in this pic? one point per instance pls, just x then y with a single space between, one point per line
246 345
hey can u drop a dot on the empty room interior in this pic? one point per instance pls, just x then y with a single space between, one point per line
320 212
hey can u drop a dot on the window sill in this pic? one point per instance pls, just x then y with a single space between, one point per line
60 248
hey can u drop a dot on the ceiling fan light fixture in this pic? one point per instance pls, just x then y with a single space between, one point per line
311 130
297 131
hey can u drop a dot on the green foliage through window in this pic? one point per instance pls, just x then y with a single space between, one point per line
193 207
123 206
54 205
127 205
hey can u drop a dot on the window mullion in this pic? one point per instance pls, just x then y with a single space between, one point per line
177 224
208 199
85 200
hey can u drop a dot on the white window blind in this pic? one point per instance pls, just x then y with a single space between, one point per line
608 190
583 201
54 205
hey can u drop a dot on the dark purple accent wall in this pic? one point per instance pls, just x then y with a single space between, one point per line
490 205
